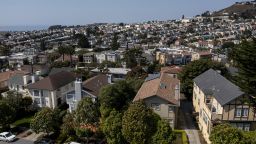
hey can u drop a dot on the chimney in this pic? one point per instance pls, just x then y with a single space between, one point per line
109 78
177 92
78 89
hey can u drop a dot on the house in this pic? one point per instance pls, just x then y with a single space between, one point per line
115 73
201 55
218 100
4 78
88 58
89 88
38 69
19 81
161 92
51 91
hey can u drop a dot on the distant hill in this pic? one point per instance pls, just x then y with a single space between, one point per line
240 9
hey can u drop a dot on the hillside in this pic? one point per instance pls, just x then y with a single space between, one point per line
241 9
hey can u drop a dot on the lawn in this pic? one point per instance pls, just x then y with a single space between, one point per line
23 122
181 137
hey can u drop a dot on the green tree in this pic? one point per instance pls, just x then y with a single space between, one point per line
62 51
83 42
115 45
4 51
7 115
26 102
43 121
70 51
194 69
137 72
164 133
139 123
43 45
69 124
133 57
87 112
112 127
244 58
116 96
226 134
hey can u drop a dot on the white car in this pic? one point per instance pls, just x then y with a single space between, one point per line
7 136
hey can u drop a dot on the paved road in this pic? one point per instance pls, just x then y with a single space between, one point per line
187 123
18 141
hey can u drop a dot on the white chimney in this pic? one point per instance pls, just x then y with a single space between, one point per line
177 92
109 78
78 89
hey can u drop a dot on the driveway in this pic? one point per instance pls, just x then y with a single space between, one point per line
187 123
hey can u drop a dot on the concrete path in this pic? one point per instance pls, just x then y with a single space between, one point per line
187 123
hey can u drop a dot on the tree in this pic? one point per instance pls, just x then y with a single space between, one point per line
7 115
87 112
62 51
112 127
43 121
226 134
69 124
116 96
244 58
115 45
133 57
196 68
70 51
137 72
42 45
4 51
83 42
164 133
26 102
139 123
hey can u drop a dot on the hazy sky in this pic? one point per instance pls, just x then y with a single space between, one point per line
73 12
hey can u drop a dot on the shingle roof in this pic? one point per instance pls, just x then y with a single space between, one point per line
212 83
163 87
94 84
54 81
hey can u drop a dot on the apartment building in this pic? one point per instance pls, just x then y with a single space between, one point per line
217 100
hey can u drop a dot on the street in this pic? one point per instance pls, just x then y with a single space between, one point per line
18 141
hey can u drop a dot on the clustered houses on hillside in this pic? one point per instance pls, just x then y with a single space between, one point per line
217 100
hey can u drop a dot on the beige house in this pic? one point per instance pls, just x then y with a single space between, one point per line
217 100
161 92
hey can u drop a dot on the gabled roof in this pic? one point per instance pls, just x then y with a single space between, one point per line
94 84
212 83
54 81
163 87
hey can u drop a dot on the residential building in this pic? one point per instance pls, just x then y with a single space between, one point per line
51 91
115 73
89 88
218 100
161 92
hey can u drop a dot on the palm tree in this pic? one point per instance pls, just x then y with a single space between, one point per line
62 51
70 51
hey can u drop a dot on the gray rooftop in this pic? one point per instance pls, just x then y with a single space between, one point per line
212 83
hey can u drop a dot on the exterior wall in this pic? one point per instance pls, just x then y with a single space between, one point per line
163 112
224 113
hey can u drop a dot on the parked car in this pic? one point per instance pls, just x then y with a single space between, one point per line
7 136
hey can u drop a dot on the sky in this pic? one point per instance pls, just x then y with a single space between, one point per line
81 12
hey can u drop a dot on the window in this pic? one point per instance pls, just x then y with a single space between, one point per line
241 112
238 112
36 92
170 108
245 112
242 126
205 118
155 106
